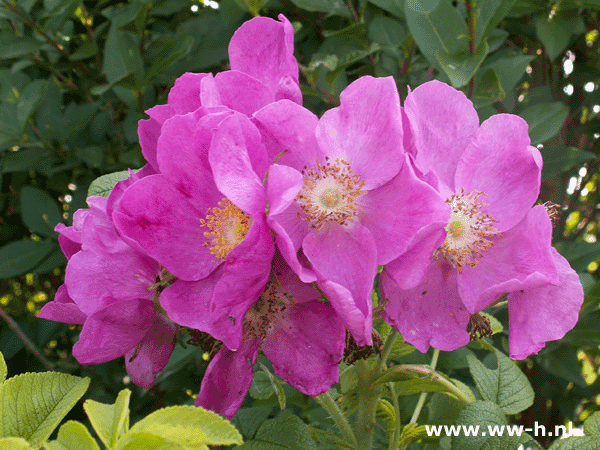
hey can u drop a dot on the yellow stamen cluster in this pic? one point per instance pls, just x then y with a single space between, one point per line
227 225
468 231
330 192
262 317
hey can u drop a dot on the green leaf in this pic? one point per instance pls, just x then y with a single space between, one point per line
148 441
261 388
109 421
75 436
29 100
3 368
92 156
576 443
460 69
579 254
387 32
506 385
21 160
328 6
276 385
102 186
394 7
10 127
12 46
248 420
437 28
555 33
489 14
188 425
545 120
33 404
40 212
477 413
508 66
121 51
561 159
14 443
21 257
488 89
164 52
591 426
285 432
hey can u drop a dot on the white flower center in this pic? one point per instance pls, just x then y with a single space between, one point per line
330 192
468 231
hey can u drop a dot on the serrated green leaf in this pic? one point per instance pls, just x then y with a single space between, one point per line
40 212
75 436
33 404
591 426
477 413
576 443
109 421
560 159
545 120
14 443
506 386
102 186
21 257
3 368
189 426
285 432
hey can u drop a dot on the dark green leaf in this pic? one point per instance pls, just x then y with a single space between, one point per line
394 7
488 89
248 420
591 426
577 443
10 127
438 29
21 257
329 6
29 100
285 432
12 46
40 212
561 159
555 32
164 52
579 254
489 14
460 69
545 120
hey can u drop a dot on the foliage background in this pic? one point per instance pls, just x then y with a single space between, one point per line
75 78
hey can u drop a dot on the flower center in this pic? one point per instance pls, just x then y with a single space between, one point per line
468 231
227 225
262 317
330 192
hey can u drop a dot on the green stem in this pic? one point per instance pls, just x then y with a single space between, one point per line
395 441
330 406
423 396
385 353
368 399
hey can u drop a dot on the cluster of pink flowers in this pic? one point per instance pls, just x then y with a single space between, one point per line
264 226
